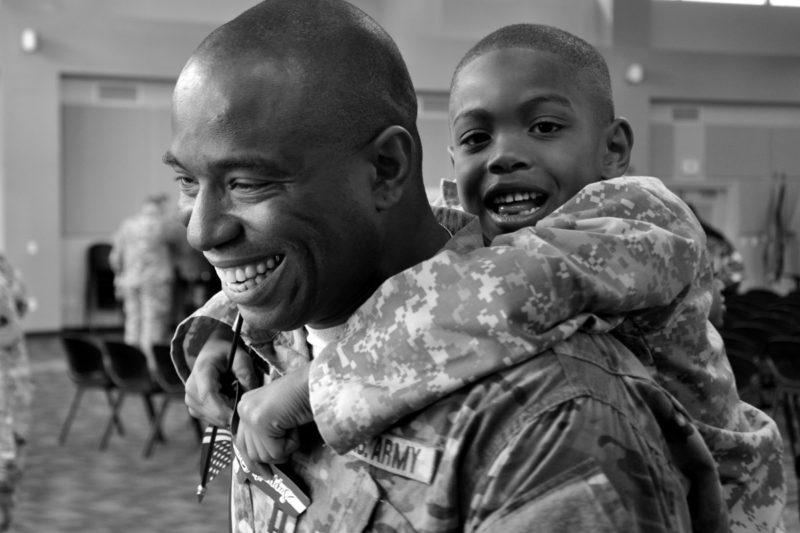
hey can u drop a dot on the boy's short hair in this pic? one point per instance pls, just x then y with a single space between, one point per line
584 58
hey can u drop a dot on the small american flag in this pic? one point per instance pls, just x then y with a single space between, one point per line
221 451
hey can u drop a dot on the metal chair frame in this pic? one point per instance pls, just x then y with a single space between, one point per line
129 370
783 356
86 368
165 376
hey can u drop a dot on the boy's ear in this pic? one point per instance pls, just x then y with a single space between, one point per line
619 143
450 151
392 153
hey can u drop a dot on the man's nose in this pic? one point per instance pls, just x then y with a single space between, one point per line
509 153
208 221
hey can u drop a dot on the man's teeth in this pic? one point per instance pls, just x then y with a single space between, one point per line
246 277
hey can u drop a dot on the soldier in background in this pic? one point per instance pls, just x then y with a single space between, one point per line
16 389
144 257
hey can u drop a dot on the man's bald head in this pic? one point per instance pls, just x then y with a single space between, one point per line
353 75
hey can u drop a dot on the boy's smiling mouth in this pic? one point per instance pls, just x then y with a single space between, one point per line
516 203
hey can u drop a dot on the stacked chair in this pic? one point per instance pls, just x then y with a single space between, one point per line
86 368
127 365
121 370
172 390
762 330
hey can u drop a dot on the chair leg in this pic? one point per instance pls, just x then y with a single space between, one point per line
115 408
155 428
151 415
73 408
114 416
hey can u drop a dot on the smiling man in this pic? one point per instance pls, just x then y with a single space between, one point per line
298 159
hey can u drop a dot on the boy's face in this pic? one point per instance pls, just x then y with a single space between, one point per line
526 137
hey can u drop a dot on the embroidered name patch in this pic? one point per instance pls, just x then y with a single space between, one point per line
400 456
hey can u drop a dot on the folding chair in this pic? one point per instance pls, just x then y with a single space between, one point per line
86 369
171 385
783 354
127 366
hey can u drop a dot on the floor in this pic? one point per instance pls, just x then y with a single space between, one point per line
78 488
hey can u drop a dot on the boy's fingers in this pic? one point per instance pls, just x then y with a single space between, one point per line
203 399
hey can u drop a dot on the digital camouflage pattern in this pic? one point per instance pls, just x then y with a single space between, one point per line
563 440
624 253
16 387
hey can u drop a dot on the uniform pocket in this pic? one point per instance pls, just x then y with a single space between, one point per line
579 496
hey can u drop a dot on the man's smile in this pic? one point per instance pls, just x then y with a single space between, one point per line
245 277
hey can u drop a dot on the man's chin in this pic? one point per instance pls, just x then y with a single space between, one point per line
262 320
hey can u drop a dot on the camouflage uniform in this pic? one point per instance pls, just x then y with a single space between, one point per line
16 389
143 260
562 441
624 254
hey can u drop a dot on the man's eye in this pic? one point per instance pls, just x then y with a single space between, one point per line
186 184
245 186
545 127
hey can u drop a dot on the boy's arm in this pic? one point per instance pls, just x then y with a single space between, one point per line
618 247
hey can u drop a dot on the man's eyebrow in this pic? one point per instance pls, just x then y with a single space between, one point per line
233 163
247 163
169 159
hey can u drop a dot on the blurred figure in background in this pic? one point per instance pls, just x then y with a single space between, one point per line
728 267
144 256
16 389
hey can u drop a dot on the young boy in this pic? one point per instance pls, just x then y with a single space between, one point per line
532 123
538 156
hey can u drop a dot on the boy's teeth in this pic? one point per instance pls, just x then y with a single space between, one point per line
248 276
509 198
518 203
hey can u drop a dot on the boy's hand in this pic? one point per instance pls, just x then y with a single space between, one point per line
204 386
270 415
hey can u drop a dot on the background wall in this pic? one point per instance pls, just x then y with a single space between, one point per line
65 179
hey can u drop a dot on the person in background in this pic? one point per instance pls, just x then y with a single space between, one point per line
16 388
144 257
728 267
300 172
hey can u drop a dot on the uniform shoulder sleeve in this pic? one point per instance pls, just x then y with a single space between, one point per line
620 246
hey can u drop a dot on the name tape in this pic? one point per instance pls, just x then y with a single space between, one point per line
400 456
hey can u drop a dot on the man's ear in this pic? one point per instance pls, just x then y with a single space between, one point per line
393 156
619 143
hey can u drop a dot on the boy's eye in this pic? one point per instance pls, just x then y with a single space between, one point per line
545 127
474 138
